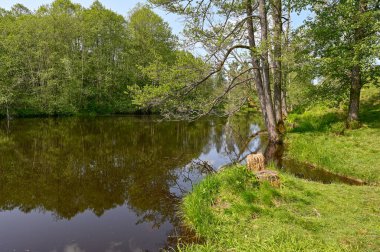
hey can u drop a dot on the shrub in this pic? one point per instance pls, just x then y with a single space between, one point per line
338 128
354 125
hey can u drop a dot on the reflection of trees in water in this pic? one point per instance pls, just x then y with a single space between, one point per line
236 137
67 166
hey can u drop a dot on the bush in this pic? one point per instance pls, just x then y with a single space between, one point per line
338 128
316 119
354 125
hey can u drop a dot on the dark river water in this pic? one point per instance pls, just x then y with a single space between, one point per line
107 183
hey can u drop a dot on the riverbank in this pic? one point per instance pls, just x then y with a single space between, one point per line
94 113
319 137
233 212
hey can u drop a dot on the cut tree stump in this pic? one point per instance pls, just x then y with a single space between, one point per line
255 162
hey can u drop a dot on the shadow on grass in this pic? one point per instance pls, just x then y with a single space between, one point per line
323 119
370 111
316 121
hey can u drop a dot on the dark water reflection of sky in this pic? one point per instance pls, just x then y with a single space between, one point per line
105 184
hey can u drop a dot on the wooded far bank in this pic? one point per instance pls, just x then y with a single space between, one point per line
64 59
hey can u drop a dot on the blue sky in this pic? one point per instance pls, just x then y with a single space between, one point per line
124 6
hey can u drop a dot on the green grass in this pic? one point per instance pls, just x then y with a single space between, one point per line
233 212
356 154
319 137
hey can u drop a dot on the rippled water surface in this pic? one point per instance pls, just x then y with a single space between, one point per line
106 183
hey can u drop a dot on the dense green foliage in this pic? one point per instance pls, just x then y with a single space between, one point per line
167 80
333 43
66 59
338 45
233 212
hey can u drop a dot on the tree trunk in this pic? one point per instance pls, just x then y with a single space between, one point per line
285 71
277 53
353 111
356 82
255 62
284 102
265 68
8 117
264 45
262 84
274 152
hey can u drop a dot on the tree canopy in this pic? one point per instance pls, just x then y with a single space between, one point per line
67 59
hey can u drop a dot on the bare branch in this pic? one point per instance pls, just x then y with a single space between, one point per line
219 67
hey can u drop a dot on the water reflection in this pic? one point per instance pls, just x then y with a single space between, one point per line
105 184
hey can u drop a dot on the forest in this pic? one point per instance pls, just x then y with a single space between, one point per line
64 59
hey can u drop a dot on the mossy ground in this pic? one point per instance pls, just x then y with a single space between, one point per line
233 212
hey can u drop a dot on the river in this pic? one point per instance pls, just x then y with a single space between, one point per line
106 183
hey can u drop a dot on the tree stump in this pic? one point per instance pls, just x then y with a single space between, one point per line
255 162
270 176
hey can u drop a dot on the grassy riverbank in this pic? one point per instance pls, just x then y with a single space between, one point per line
319 137
233 212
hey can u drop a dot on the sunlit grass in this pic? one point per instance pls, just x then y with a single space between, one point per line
316 139
233 212
355 154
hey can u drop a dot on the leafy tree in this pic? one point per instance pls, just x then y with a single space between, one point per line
169 77
151 41
343 40
104 63
66 59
